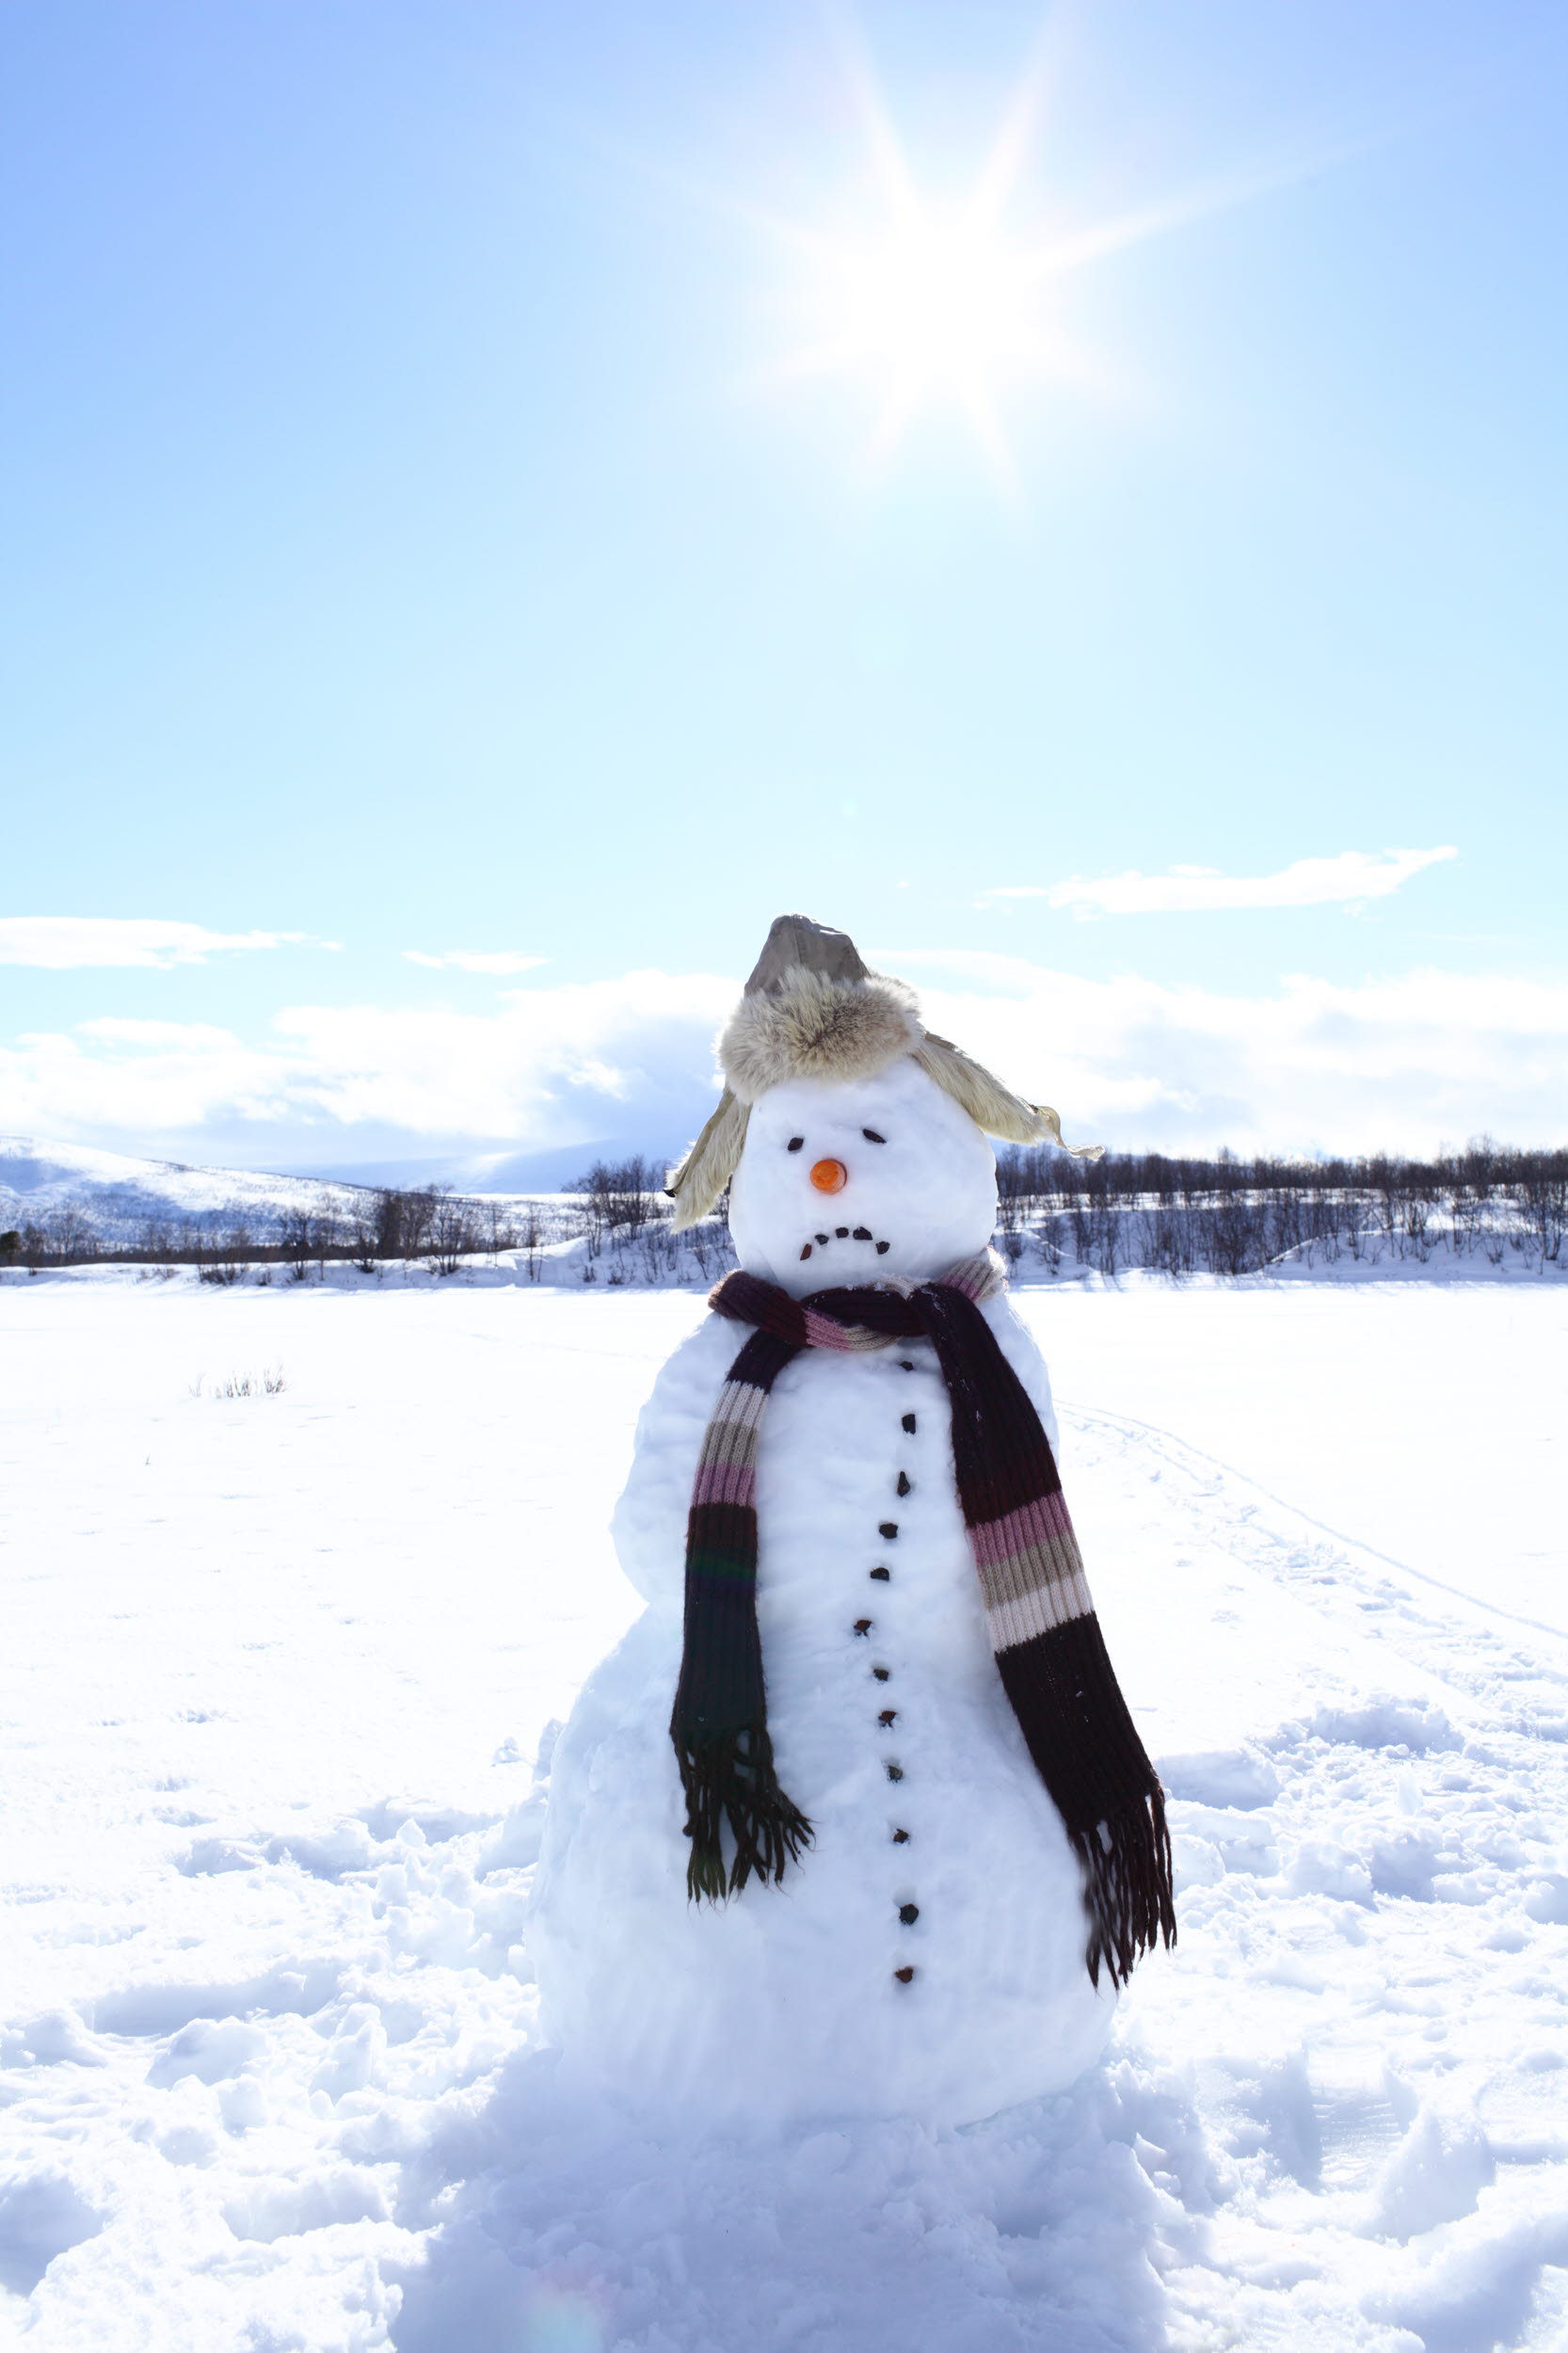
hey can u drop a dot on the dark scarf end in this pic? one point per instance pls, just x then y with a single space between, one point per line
731 1779
1127 1887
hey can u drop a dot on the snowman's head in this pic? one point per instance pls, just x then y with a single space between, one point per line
845 1181
855 1137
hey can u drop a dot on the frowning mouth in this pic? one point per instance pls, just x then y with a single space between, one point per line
852 1235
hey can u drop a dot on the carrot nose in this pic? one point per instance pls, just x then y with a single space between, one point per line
829 1176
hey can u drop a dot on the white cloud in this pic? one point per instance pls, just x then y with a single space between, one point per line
1405 1062
550 1067
1311 882
1408 1060
62 943
496 960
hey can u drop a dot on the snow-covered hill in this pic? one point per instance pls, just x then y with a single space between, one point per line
119 1196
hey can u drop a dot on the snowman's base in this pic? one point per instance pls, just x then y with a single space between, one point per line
751 2096
815 1999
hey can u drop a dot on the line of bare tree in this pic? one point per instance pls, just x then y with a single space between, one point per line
430 1223
626 1218
1177 1214
1231 1215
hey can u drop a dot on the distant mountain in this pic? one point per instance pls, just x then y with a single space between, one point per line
501 1172
120 1196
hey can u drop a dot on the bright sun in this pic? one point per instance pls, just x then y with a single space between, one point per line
932 306
941 309
938 312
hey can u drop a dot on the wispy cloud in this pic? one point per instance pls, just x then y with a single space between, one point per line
1354 877
63 943
498 961
1407 1061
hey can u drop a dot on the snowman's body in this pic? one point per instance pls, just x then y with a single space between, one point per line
885 1706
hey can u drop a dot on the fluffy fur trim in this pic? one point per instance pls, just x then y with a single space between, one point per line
815 1028
711 1162
992 1106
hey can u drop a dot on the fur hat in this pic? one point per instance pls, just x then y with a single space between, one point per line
812 1009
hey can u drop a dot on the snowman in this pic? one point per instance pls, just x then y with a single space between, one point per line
855 1822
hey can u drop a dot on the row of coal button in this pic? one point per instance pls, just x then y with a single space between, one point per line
887 1530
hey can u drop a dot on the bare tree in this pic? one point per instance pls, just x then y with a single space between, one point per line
297 1239
502 1232
620 1197
451 1228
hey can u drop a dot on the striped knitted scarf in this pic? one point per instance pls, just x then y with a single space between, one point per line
1047 1638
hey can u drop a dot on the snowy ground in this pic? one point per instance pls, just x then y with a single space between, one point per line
277 1671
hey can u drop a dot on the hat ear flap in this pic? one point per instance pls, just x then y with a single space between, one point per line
989 1104
1052 1128
711 1162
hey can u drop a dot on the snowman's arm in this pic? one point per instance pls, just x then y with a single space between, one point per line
649 1523
1018 1346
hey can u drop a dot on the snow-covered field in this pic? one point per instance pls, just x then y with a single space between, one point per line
277 1676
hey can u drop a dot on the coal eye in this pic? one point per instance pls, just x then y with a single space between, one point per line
871 1137
796 1142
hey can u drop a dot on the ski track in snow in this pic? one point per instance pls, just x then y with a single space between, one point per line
305 2113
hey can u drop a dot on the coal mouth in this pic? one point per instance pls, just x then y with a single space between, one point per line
854 1238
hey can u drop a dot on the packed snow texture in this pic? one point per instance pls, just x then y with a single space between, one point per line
278 1694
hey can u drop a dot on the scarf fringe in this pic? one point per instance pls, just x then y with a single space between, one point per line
730 1778
1128 1888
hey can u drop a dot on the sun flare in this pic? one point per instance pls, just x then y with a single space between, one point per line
928 304
957 304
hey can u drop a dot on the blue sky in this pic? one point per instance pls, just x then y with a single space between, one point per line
421 535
